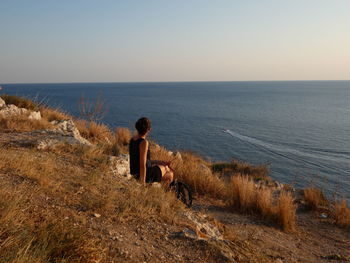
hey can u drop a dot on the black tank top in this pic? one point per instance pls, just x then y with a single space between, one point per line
134 154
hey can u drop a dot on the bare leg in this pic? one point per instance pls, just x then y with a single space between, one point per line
167 174
168 178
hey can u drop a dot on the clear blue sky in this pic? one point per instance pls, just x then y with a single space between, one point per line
175 40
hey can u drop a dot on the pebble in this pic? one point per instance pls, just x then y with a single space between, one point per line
323 216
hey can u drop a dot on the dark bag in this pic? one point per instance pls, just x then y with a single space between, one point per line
183 192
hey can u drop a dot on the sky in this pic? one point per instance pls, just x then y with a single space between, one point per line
167 40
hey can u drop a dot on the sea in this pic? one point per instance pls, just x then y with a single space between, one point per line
300 129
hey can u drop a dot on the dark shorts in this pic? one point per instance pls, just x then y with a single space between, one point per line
153 174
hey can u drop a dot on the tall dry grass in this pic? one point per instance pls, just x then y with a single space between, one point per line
243 194
240 193
245 197
286 211
94 132
342 213
50 114
192 170
264 203
314 198
122 136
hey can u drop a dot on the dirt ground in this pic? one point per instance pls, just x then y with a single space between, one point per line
315 240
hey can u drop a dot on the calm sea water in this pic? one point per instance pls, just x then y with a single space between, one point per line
301 129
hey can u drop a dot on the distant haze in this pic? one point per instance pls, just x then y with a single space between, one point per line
182 40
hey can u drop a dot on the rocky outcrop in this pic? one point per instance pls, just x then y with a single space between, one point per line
120 165
68 128
12 110
62 132
41 140
2 103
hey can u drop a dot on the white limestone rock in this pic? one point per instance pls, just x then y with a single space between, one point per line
120 165
12 110
67 127
2 103
35 115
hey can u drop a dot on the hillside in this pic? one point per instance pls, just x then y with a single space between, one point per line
65 196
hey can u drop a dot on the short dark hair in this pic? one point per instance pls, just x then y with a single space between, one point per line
143 125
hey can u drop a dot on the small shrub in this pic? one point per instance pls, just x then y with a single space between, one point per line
342 213
258 172
314 198
92 110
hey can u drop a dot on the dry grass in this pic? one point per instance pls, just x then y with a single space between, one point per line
82 126
87 165
264 201
258 172
94 132
21 123
246 198
20 102
32 231
314 198
141 202
342 213
242 194
122 136
286 211
194 171
53 114
47 199
100 134
119 143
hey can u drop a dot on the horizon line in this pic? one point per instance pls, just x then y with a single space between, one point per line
176 81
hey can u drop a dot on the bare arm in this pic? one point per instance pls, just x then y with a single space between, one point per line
143 160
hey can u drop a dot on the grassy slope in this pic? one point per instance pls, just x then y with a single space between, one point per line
49 199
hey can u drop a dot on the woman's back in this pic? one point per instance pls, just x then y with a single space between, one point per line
134 154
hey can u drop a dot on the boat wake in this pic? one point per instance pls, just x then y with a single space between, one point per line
314 159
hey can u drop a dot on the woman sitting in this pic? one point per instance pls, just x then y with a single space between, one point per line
141 166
